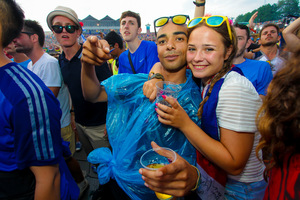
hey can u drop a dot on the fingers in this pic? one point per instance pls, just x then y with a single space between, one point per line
150 90
95 51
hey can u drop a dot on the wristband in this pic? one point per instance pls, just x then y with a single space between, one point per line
71 110
153 75
199 4
198 180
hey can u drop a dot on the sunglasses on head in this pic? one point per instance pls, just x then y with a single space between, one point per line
69 28
176 19
213 21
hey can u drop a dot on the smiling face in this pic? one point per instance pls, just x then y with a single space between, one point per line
172 46
129 29
206 53
65 39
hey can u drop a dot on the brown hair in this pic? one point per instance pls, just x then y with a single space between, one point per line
278 118
222 30
131 14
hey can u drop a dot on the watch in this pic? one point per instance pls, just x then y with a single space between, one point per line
153 75
199 4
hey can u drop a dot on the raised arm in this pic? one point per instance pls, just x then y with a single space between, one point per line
95 52
290 37
251 20
200 9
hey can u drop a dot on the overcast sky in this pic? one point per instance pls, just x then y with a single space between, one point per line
39 9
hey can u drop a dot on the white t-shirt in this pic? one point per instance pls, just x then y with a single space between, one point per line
48 70
236 110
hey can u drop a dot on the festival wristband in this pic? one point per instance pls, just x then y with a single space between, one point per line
198 180
199 4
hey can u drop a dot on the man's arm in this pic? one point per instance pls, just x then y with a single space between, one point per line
47 186
199 10
55 90
95 52
290 37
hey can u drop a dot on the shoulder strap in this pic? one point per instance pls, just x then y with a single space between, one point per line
130 61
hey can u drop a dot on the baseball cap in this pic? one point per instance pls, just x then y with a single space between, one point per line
63 11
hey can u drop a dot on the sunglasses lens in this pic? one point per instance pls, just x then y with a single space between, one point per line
57 29
179 19
215 20
194 22
70 29
162 21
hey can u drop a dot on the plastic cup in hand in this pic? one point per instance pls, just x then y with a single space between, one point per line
157 158
166 88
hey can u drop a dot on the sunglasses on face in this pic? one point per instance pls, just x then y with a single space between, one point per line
213 21
176 19
69 28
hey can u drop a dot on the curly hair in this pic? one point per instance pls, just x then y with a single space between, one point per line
278 119
222 30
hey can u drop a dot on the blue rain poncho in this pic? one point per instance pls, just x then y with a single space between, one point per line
132 124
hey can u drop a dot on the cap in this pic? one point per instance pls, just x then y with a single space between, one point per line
63 11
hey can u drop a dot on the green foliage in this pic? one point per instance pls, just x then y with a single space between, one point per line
270 12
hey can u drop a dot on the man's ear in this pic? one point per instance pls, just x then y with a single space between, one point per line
248 43
139 30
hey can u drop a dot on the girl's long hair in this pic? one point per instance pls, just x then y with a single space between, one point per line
278 119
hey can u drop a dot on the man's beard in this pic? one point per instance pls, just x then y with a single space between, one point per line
269 44
23 50
240 53
174 70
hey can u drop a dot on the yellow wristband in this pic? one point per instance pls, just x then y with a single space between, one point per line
198 180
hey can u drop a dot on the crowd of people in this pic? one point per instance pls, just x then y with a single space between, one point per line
235 125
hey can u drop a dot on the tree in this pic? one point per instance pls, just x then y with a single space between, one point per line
288 7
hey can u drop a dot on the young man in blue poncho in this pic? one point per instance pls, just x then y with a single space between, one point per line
132 121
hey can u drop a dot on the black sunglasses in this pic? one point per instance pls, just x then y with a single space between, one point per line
69 28
27 33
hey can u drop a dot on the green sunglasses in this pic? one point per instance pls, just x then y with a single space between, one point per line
176 19
213 21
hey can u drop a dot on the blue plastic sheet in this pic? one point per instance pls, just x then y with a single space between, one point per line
132 124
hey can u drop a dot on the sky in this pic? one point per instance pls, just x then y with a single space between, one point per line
148 10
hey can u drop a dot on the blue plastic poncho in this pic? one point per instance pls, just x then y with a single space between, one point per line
132 124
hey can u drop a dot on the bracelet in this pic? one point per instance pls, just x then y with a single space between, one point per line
71 110
198 180
199 4
153 75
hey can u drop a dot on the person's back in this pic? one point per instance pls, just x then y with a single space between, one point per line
32 164
141 55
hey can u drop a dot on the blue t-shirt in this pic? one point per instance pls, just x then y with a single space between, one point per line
30 126
143 58
24 63
258 72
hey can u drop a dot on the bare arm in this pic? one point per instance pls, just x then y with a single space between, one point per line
290 37
199 11
94 53
149 88
251 20
55 90
47 182
230 153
